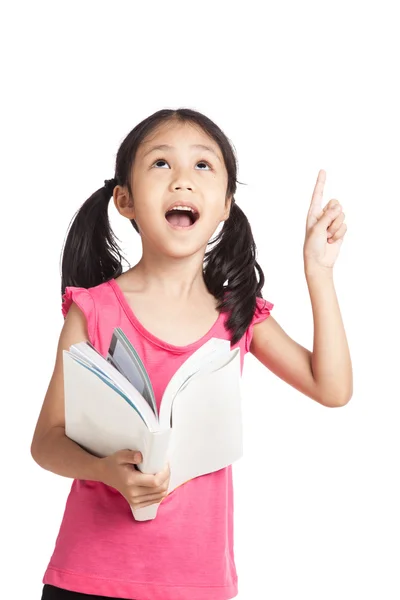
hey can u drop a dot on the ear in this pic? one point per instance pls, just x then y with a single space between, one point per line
123 202
227 209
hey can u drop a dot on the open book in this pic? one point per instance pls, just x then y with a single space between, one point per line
110 406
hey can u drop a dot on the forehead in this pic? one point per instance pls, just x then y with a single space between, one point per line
179 135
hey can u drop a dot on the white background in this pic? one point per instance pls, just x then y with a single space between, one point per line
296 86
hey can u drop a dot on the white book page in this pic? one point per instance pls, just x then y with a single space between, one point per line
207 424
97 417
203 355
83 349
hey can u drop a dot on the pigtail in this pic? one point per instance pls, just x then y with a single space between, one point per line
91 254
230 272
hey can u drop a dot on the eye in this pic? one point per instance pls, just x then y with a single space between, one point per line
203 162
160 160
200 162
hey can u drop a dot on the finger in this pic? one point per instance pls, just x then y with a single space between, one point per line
331 204
142 490
328 218
336 224
147 504
328 206
147 498
162 476
316 198
148 480
339 235
132 457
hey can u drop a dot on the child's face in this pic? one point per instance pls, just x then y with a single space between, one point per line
181 173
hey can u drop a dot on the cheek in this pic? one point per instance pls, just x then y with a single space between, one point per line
147 195
218 193
217 199
213 184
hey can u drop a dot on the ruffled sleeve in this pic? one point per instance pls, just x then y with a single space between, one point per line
84 300
262 311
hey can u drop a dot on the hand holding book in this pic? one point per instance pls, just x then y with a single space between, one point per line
139 489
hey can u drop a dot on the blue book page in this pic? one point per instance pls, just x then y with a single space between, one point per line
122 361
123 356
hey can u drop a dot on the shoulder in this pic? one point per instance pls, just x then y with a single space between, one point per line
85 298
78 295
262 310
261 313
89 302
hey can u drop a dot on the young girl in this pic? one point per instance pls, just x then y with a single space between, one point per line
175 180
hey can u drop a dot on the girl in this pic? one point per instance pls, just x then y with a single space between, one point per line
175 180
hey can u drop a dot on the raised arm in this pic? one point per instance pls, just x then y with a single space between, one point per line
325 374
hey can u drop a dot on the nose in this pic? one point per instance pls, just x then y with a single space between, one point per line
183 187
182 181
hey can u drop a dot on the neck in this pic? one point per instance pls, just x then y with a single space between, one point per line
174 278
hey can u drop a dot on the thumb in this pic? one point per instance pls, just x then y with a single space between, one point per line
132 457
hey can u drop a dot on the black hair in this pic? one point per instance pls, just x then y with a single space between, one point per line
91 254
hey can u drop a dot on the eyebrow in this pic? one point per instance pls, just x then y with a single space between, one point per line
168 147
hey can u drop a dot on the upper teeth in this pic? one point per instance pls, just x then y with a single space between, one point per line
182 208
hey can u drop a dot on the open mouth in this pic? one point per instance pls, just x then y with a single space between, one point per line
182 218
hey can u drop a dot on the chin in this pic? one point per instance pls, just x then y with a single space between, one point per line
184 249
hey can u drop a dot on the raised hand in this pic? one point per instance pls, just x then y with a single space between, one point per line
325 230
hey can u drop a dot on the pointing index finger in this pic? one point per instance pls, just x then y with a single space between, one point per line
316 200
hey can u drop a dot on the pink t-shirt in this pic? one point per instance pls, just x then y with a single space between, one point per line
187 551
